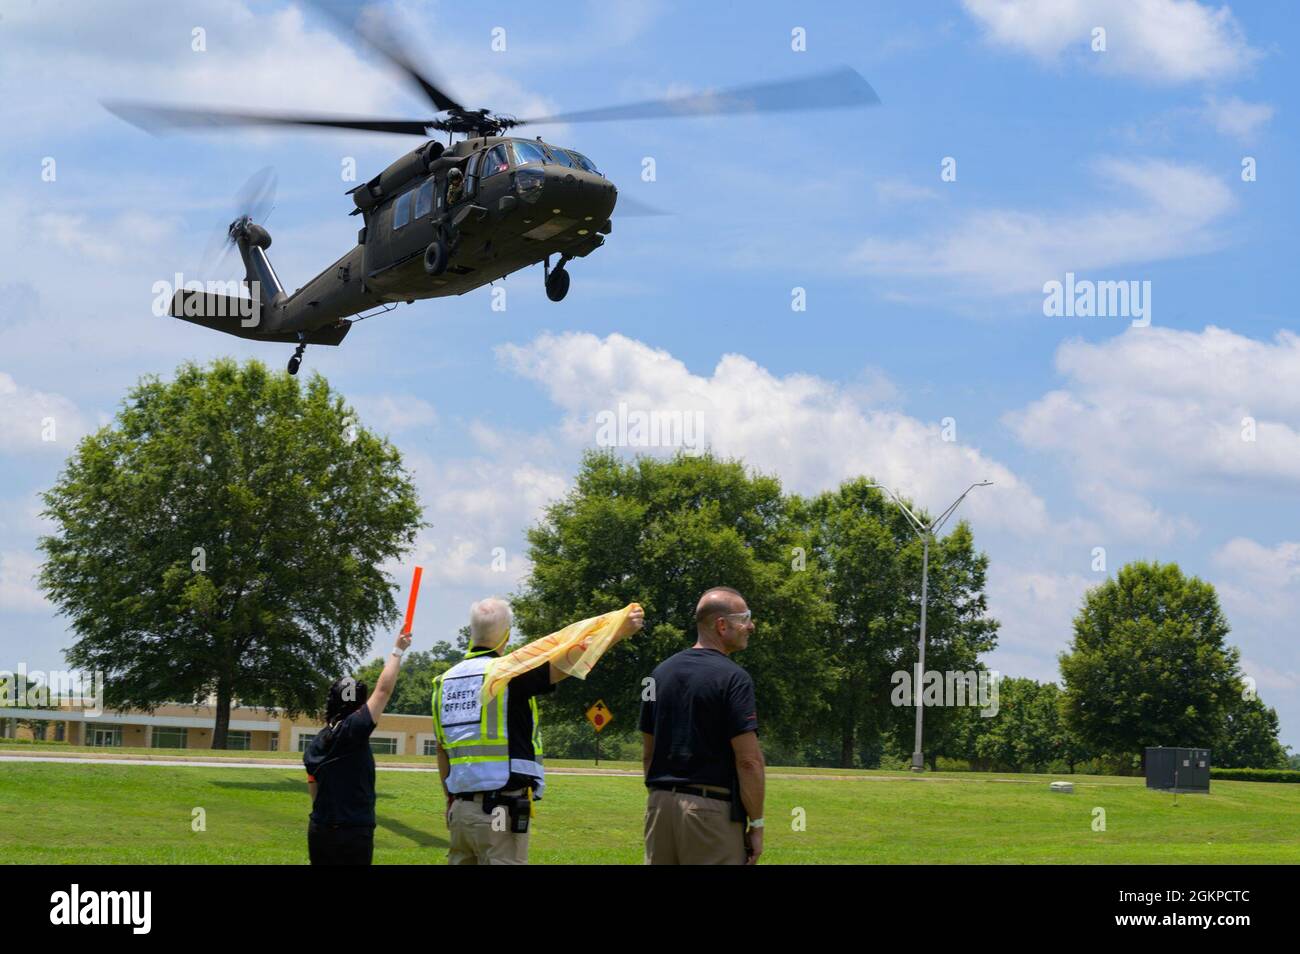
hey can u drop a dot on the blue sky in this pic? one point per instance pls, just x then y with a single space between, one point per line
924 296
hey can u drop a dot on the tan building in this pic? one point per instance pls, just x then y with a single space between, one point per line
176 726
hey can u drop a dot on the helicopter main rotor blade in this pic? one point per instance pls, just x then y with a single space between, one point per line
377 29
837 89
154 118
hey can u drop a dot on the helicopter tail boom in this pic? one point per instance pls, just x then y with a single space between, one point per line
241 317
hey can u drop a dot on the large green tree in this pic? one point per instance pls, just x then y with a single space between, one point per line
223 537
1149 664
869 569
660 532
1249 737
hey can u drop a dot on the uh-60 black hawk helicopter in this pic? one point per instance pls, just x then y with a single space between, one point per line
444 220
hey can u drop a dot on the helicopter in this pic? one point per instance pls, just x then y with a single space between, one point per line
445 219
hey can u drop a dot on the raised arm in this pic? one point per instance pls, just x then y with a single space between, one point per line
635 620
383 690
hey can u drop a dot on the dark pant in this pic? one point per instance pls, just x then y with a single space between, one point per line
340 845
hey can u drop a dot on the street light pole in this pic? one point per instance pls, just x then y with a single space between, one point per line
918 764
926 532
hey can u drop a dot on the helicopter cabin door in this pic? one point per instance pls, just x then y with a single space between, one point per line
494 176
409 229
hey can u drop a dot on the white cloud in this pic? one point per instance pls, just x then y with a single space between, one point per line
1157 408
478 508
287 59
18 590
103 241
1269 681
1162 210
1274 568
1260 582
393 413
1235 117
811 432
1259 589
1173 41
1130 516
28 415
20 517
1036 608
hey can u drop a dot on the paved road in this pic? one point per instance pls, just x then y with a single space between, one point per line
294 766
259 764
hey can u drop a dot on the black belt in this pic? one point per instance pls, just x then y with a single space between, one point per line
693 790
470 796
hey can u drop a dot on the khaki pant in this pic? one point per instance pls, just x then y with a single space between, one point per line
682 829
476 841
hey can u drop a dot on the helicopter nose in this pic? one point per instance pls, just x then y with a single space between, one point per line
582 196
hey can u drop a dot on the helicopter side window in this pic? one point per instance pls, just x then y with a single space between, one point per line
526 152
402 210
424 199
494 162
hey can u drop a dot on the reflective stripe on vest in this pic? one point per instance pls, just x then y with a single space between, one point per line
476 737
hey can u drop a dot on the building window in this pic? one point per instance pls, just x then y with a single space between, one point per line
304 740
239 740
275 743
103 735
169 737
383 746
402 210
58 732
430 746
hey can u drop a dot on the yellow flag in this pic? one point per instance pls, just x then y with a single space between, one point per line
574 650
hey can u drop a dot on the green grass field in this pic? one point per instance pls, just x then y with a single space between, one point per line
94 814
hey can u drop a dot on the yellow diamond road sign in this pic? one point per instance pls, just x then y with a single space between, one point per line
599 715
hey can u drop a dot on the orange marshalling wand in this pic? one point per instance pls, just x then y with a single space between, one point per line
410 603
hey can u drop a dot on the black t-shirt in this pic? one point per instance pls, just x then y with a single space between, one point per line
519 718
702 700
343 767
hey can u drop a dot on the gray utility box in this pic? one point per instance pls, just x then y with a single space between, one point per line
1178 769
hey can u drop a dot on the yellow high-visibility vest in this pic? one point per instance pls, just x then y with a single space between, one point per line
475 735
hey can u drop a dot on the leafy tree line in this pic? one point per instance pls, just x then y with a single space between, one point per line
834 583
222 538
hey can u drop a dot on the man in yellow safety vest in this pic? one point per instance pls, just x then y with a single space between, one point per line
490 751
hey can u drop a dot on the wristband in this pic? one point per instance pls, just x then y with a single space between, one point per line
397 653
755 823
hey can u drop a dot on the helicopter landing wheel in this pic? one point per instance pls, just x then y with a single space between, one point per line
557 284
296 361
435 257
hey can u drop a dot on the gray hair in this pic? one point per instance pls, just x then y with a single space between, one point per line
489 621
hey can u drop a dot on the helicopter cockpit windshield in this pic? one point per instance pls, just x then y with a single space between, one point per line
534 151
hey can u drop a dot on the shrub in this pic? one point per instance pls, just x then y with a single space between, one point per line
1255 775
